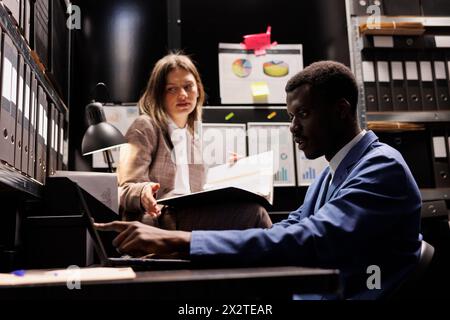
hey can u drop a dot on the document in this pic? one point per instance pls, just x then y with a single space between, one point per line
250 178
69 276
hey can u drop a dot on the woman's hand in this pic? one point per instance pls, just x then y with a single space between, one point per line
148 200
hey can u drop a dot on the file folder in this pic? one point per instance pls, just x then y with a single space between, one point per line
428 95
45 140
7 122
26 120
40 136
13 6
384 86
19 115
33 128
440 157
441 83
399 94
13 105
412 80
52 142
370 88
60 140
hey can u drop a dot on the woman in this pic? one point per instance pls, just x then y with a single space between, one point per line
163 156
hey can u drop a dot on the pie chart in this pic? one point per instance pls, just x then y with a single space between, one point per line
276 68
241 68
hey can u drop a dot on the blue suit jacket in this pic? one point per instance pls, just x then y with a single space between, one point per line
371 217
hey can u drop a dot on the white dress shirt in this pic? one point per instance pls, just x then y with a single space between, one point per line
340 155
180 140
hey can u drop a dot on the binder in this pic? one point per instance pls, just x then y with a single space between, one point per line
26 119
7 122
39 136
370 88
426 76
33 128
441 77
60 140
19 115
384 86
27 20
13 105
440 159
45 140
52 141
413 86
13 6
399 94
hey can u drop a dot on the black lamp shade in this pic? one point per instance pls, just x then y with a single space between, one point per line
100 135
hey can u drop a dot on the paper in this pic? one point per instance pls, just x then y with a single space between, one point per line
101 185
258 42
260 89
383 71
397 70
439 147
254 174
442 41
439 70
240 68
68 276
308 170
411 70
121 117
368 71
383 42
249 179
425 71
278 138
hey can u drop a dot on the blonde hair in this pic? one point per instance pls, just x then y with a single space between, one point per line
152 101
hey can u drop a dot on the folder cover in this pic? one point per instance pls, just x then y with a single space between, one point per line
399 95
26 120
370 88
384 86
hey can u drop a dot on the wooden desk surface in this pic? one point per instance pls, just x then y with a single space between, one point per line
208 284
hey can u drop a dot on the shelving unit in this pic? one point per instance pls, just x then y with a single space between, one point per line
10 178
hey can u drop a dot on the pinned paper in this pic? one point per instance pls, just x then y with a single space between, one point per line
258 42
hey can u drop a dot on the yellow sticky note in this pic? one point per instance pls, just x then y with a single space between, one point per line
260 89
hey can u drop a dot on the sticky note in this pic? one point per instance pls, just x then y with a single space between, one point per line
260 89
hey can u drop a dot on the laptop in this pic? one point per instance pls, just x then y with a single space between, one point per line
102 243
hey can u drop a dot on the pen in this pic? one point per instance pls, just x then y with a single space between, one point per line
19 273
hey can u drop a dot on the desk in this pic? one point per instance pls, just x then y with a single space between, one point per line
208 284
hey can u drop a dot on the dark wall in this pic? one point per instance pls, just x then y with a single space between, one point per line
118 44
120 41
319 25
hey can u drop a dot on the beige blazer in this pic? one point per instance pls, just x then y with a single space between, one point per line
148 157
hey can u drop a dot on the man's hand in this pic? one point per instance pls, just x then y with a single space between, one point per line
138 239
148 200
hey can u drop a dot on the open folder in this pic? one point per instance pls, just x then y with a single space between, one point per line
249 179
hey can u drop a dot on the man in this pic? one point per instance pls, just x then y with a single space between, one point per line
363 210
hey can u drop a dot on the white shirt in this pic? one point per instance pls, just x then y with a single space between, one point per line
340 155
180 147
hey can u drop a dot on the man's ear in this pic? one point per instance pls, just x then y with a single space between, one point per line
344 108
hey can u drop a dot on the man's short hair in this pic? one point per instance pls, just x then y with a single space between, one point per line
329 80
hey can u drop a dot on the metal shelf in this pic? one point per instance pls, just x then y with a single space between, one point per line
435 194
14 180
11 29
426 21
407 116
